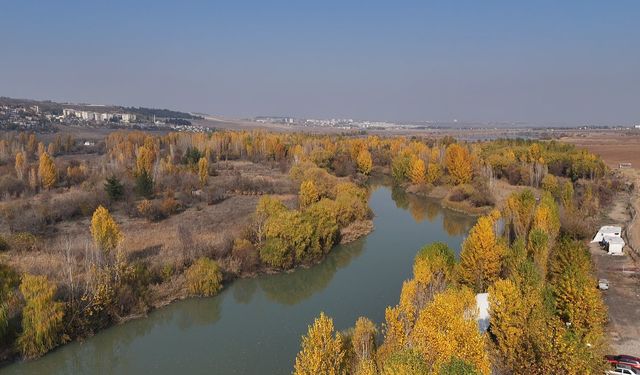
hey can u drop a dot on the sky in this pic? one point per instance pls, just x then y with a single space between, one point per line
539 62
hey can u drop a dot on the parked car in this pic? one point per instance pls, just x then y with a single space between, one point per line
626 360
603 284
622 371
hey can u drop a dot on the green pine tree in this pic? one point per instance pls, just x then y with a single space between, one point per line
114 188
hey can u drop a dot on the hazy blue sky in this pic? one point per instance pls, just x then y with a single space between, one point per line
537 61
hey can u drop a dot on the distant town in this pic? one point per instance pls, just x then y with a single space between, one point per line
43 116
417 125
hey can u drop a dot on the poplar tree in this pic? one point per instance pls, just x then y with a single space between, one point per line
105 231
481 256
47 171
203 171
458 162
364 161
322 350
418 172
20 164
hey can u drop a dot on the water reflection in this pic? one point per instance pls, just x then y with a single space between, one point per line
421 208
292 288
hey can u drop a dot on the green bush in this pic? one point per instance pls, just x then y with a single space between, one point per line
405 361
204 277
42 317
275 253
456 366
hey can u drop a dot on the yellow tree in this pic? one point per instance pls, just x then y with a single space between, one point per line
322 351
459 163
20 165
203 171
508 315
567 196
433 173
105 231
41 317
434 264
447 328
546 216
309 193
519 211
550 183
364 161
579 303
418 172
364 339
481 256
145 158
47 171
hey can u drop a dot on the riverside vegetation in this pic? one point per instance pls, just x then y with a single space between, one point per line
79 252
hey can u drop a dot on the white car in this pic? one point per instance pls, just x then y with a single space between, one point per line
603 284
622 371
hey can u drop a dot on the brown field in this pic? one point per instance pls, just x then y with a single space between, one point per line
613 147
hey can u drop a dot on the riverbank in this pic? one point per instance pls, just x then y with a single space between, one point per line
254 325
176 289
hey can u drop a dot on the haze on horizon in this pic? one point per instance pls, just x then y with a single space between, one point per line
571 62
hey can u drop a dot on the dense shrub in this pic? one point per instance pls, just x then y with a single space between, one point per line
275 253
204 277
41 317
4 245
23 241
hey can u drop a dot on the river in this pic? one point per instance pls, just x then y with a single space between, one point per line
254 325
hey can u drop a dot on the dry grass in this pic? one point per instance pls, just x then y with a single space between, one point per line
199 230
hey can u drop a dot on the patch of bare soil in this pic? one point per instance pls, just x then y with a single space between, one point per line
355 230
613 148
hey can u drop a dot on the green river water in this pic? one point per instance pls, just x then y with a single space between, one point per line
254 325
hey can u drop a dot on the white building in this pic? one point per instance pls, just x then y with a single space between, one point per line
98 116
614 245
607 230
482 302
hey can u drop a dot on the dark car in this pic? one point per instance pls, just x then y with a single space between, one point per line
628 360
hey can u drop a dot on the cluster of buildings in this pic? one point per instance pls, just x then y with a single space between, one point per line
24 118
98 116
332 123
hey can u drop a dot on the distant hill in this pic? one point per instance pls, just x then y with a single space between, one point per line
160 113
47 105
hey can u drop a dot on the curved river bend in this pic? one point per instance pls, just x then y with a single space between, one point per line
254 326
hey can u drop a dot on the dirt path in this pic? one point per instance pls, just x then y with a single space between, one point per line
623 273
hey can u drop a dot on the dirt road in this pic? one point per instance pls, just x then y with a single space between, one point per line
623 272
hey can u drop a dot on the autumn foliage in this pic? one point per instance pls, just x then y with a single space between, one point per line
105 231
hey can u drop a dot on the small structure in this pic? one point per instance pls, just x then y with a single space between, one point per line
624 165
482 302
607 230
613 244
